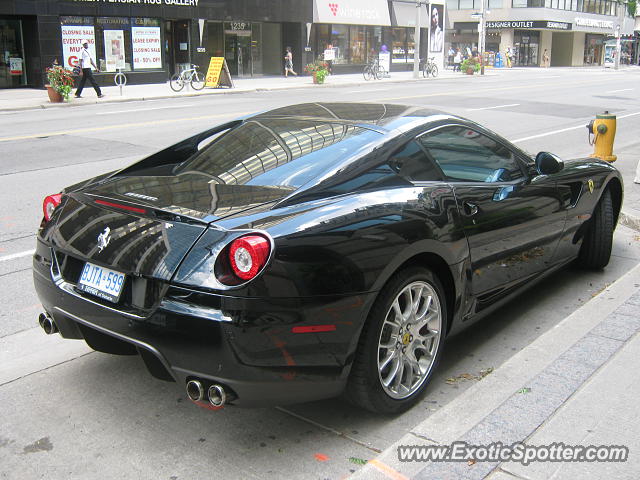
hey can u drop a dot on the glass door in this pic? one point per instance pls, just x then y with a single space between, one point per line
12 59
237 52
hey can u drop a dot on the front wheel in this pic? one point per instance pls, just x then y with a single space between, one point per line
434 71
367 74
400 344
176 82
595 250
197 81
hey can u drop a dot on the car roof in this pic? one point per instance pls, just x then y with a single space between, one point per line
381 117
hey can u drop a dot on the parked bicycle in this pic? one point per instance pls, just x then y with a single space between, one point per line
429 68
374 70
190 76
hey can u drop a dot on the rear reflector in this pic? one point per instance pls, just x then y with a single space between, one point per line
121 206
49 205
314 329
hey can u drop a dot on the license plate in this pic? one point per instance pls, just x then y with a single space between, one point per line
101 282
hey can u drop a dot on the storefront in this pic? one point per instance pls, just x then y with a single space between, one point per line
148 40
350 34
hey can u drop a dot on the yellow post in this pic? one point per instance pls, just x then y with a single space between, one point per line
603 129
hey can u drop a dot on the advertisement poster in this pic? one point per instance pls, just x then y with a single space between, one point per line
114 49
218 73
72 37
15 66
436 28
146 47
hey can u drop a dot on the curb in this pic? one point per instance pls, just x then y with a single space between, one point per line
113 99
630 221
476 404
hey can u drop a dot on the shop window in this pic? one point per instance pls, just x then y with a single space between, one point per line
12 59
399 45
357 44
452 4
340 43
113 44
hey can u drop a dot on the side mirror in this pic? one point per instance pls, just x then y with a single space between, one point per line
548 163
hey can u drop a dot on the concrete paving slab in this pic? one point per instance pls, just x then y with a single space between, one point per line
603 412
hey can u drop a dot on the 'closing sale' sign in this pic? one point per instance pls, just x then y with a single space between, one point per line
72 37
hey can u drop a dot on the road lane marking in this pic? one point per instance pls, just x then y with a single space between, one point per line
26 253
123 126
387 470
524 139
621 90
493 89
143 109
368 90
491 108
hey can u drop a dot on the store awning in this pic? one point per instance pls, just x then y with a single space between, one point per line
404 15
351 12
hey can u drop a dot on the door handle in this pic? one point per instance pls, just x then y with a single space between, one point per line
470 209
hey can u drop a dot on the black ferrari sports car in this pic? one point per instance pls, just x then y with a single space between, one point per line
314 250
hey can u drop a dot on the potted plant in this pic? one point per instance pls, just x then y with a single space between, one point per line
60 83
318 69
470 66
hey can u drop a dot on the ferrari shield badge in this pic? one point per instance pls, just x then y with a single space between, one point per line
591 186
103 239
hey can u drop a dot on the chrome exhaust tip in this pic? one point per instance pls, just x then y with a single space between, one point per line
217 395
195 390
47 324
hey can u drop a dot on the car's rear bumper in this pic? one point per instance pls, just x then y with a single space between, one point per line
255 355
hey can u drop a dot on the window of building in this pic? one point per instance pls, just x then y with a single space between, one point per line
340 43
12 57
466 155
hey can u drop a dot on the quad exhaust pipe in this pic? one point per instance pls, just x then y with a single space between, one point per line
215 393
47 324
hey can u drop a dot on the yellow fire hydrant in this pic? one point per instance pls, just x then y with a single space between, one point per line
603 129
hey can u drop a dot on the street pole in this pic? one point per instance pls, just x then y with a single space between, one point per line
416 37
482 36
621 7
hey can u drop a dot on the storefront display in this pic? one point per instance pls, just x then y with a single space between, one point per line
147 51
12 72
114 49
72 37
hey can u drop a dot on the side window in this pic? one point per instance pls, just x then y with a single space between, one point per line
466 155
411 163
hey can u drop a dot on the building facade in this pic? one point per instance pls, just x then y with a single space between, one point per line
152 39
573 32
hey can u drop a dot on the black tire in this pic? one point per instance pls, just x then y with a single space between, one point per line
381 73
176 82
197 81
434 71
364 387
595 251
367 74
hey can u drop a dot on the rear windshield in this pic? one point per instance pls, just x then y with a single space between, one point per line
278 152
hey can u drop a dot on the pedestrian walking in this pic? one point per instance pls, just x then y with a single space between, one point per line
545 59
86 61
509 55
288 63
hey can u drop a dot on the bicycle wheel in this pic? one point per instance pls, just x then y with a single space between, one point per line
381 73
367 74
197 81
434 71
176 82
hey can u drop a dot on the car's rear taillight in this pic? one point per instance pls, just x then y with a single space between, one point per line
248 254
49 205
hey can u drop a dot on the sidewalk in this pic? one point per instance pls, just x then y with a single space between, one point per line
28 99
576 384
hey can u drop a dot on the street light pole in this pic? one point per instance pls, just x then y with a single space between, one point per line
416 37
482 35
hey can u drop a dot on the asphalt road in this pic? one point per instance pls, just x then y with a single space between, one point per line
76 414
